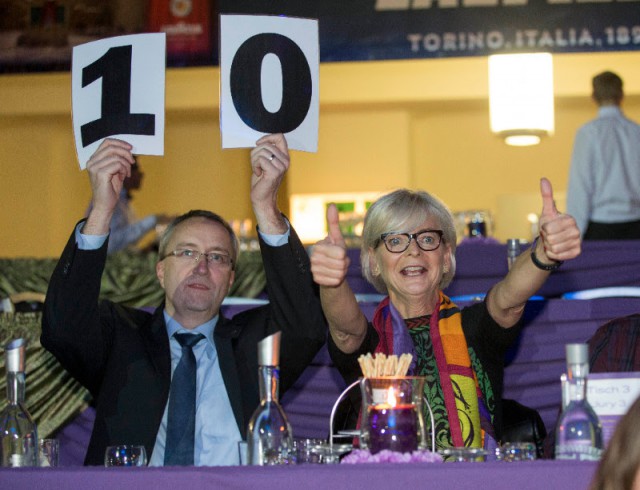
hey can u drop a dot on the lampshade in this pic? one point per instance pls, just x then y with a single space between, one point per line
521 97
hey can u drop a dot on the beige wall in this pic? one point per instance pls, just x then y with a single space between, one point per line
419 124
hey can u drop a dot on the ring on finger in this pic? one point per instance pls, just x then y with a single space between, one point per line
271 157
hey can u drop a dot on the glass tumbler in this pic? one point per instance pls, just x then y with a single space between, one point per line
125 455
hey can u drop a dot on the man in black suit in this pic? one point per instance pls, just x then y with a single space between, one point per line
126 357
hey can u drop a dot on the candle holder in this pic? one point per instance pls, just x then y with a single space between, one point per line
358 433
392 414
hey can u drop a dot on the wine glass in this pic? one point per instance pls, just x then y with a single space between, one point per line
125 455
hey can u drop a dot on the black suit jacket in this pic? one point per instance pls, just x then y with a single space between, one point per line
122 355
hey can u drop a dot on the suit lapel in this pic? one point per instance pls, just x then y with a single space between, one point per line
157 344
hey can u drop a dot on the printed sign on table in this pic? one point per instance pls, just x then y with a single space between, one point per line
611 395
117 90
269 80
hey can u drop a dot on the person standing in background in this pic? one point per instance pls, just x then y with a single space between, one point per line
126 229
604 179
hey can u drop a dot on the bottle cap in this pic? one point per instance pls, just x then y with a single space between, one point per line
577 353
269 350
14 353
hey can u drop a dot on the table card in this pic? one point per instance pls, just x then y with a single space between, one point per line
611 395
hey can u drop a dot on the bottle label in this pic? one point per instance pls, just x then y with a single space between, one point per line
578 452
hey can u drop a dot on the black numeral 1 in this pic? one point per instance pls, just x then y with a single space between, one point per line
115 70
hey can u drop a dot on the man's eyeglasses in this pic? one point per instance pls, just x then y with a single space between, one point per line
397 243
214 259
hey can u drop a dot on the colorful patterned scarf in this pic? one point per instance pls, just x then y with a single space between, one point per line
468 418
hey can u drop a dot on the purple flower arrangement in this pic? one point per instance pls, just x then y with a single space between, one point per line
358 456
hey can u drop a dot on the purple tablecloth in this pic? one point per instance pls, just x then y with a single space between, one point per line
481 265
533 475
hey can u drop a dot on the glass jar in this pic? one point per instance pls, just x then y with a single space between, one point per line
393 414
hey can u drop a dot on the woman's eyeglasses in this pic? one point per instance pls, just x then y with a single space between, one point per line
427 240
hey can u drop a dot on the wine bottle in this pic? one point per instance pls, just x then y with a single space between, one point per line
18 432
269 435
579 432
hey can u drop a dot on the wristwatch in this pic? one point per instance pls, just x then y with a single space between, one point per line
545 267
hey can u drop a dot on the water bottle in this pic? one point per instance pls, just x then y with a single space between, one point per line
18 432
513 250
269 434
579 432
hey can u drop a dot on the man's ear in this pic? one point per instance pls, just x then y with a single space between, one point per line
160 272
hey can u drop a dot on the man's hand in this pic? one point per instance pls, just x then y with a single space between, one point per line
329 260
269 163
559 233
107 167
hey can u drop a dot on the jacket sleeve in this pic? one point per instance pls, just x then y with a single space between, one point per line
71 326
295 308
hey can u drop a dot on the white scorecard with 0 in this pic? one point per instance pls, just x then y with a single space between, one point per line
269 80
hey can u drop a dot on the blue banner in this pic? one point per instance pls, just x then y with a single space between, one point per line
353 30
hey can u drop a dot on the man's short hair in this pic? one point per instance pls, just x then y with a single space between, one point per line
607 87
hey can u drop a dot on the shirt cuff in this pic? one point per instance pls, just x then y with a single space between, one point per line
276 240
89 242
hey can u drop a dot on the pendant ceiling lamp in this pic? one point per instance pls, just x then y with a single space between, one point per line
521 97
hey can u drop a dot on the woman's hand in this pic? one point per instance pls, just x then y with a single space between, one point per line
559 233
329 266
559 240
329 259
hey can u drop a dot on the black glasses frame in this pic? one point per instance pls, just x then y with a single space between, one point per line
411 236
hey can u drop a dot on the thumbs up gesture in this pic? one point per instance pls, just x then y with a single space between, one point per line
329 260
559 233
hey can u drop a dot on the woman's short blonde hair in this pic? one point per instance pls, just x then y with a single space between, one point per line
403 210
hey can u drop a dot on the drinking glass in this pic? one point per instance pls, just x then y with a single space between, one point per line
125 455
318 451
48 450
464 454
516 451
307 450
242 451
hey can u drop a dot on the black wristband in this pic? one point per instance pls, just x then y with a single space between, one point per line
545 267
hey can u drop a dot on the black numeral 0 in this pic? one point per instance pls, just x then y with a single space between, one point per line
115 70
245 84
